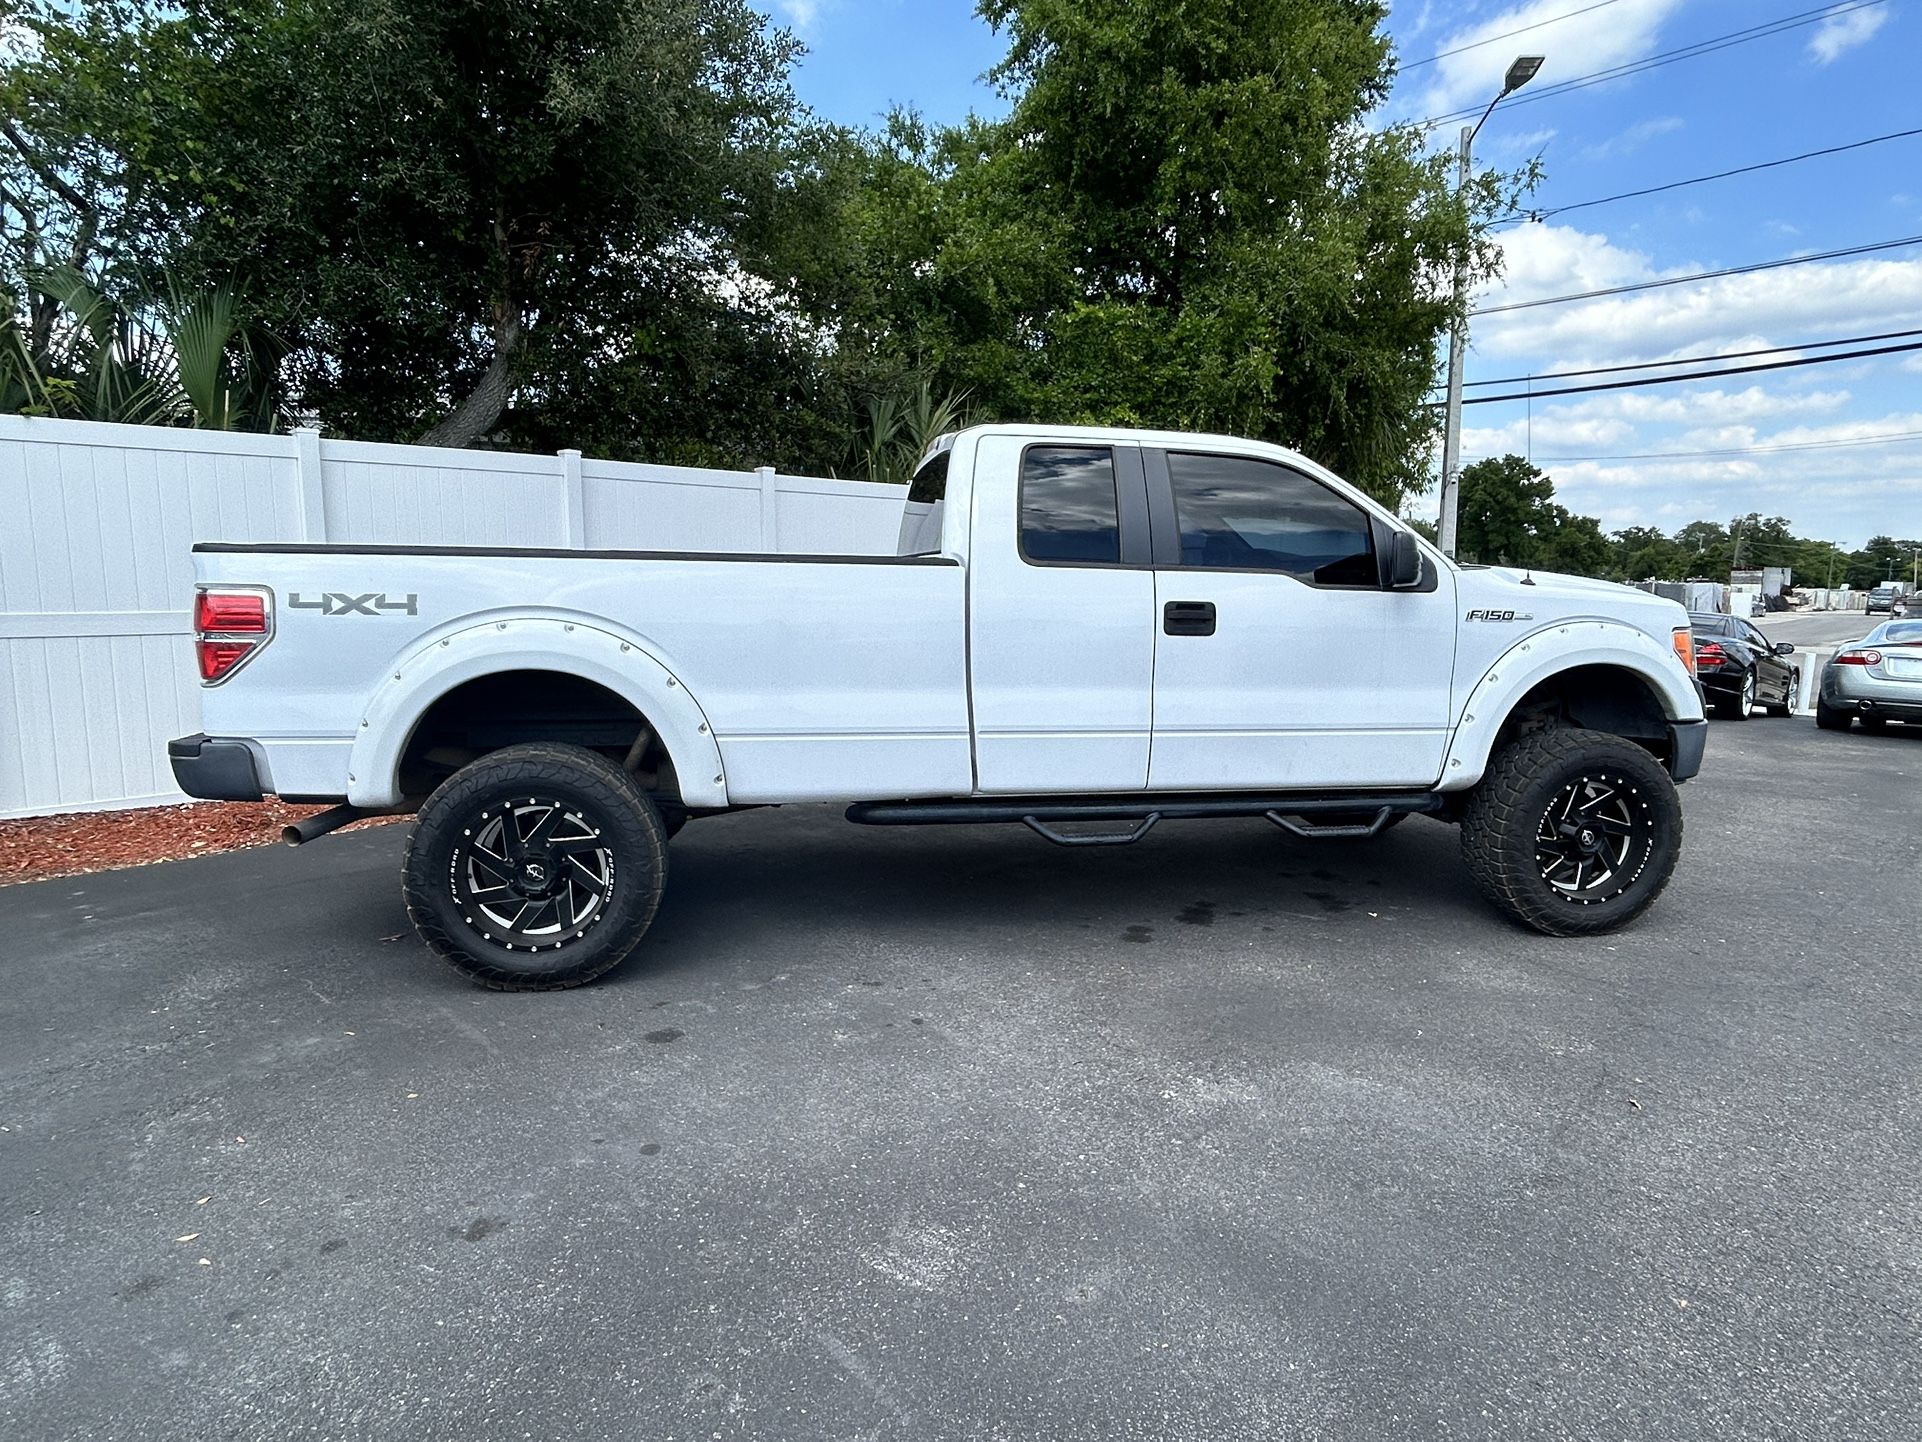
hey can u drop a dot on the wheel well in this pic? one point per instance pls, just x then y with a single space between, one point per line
509 707
1593 698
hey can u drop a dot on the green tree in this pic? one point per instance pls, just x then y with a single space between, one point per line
1506 506
1643 553
1183 222
443 207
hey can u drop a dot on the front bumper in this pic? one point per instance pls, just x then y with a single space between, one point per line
1687 740
214 768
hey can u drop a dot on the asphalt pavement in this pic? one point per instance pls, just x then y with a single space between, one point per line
1822 630
949 1134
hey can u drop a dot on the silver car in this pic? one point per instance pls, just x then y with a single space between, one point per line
1875 680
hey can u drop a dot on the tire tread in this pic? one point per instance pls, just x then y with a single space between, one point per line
1504 869
534 764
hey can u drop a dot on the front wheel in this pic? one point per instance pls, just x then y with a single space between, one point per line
535 868
1572 832
1786 706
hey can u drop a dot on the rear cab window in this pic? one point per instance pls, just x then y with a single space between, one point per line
1070 512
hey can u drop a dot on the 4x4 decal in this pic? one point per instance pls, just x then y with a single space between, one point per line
339 603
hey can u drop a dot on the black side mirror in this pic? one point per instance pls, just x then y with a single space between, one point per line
1784 648
1404 562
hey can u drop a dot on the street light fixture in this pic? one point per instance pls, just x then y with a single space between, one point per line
1520 72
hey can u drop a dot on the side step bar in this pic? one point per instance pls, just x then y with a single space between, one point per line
1042 814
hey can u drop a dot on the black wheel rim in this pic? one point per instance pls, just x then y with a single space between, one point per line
532 873
1595 838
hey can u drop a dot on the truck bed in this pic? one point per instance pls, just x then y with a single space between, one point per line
869 698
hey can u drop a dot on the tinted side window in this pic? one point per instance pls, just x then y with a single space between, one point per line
1234 511
1068 509
930 483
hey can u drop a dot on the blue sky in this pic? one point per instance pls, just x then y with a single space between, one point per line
1843 78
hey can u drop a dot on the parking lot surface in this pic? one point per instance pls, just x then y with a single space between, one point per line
952 1134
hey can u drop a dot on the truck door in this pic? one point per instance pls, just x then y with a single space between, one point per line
1061 598
1281 661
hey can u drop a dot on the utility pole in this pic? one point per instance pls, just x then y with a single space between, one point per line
1519 74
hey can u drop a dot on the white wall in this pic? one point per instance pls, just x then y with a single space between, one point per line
97 523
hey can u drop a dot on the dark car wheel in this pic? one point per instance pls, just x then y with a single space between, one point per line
1572 832
1786 706
1738 706
1831 718
535 868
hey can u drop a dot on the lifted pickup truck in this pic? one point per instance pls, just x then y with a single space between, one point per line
1082 629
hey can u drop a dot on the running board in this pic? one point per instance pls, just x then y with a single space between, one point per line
1042 814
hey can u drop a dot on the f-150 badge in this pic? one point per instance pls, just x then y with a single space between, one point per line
339 603
1499 616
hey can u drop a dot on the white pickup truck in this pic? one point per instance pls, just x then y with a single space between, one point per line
1083 628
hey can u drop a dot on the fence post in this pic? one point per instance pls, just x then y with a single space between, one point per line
770 510
313 491
573 501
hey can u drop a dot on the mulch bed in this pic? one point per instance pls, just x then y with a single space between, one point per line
40 847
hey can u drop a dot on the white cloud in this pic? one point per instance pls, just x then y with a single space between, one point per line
1636 136
801 14
1820 299
1843 493
1839 34
1612 422
1529 142
1575 45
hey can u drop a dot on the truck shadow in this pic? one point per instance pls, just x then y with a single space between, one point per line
752 881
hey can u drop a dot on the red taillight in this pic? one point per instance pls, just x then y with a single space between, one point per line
229 626
217 658
228 612
1709 654
1858 658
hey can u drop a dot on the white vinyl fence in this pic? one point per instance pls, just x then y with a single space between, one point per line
97 524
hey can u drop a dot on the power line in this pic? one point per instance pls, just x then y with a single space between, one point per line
1892 438
1669 57
1543 214
1519 30
1689 360
1701 275
1813 360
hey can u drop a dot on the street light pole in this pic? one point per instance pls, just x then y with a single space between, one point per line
1519 74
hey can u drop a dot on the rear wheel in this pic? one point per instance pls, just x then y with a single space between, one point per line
1572 832
1738 707
1831 718
535 868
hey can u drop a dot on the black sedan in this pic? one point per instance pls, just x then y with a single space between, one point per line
1739 667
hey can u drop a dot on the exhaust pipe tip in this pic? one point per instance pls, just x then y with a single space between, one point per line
309 828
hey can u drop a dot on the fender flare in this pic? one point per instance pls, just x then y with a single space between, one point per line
1560 646
472 648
